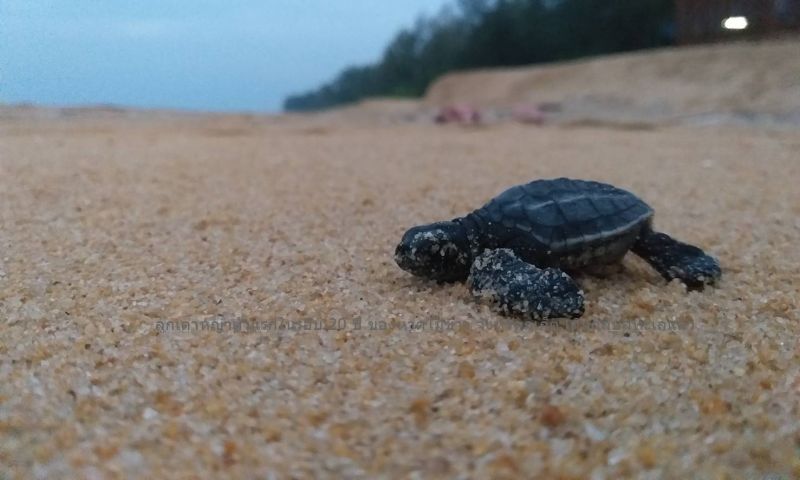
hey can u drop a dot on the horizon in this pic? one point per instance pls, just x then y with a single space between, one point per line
190 56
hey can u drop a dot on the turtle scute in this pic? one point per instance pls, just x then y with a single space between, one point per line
518 288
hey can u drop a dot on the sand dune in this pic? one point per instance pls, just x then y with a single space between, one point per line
666 84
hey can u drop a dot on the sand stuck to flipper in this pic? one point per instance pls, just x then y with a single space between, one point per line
522 290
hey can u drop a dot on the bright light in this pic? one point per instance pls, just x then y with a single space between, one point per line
735 23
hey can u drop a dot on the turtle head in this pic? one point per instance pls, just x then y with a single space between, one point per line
439 251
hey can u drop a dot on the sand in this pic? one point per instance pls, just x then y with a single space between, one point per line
743 82
112 225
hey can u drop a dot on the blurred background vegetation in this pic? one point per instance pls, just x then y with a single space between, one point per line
489 33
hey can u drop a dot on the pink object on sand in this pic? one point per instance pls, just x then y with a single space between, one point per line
458 113
528 114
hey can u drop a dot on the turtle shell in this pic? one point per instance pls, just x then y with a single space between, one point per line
566 215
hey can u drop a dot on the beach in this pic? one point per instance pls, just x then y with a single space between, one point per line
201 296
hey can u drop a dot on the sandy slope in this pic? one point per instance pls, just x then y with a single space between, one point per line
658 85
109 226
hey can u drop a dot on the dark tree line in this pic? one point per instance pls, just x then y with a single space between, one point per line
489 33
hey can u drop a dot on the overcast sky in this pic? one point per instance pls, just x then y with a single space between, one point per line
243 55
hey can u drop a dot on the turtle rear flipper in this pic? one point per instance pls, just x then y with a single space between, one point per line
674 259
521 289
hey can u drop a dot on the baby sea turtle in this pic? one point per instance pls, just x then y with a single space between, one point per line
516 249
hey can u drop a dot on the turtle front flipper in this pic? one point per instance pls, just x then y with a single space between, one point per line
521 289
674 259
